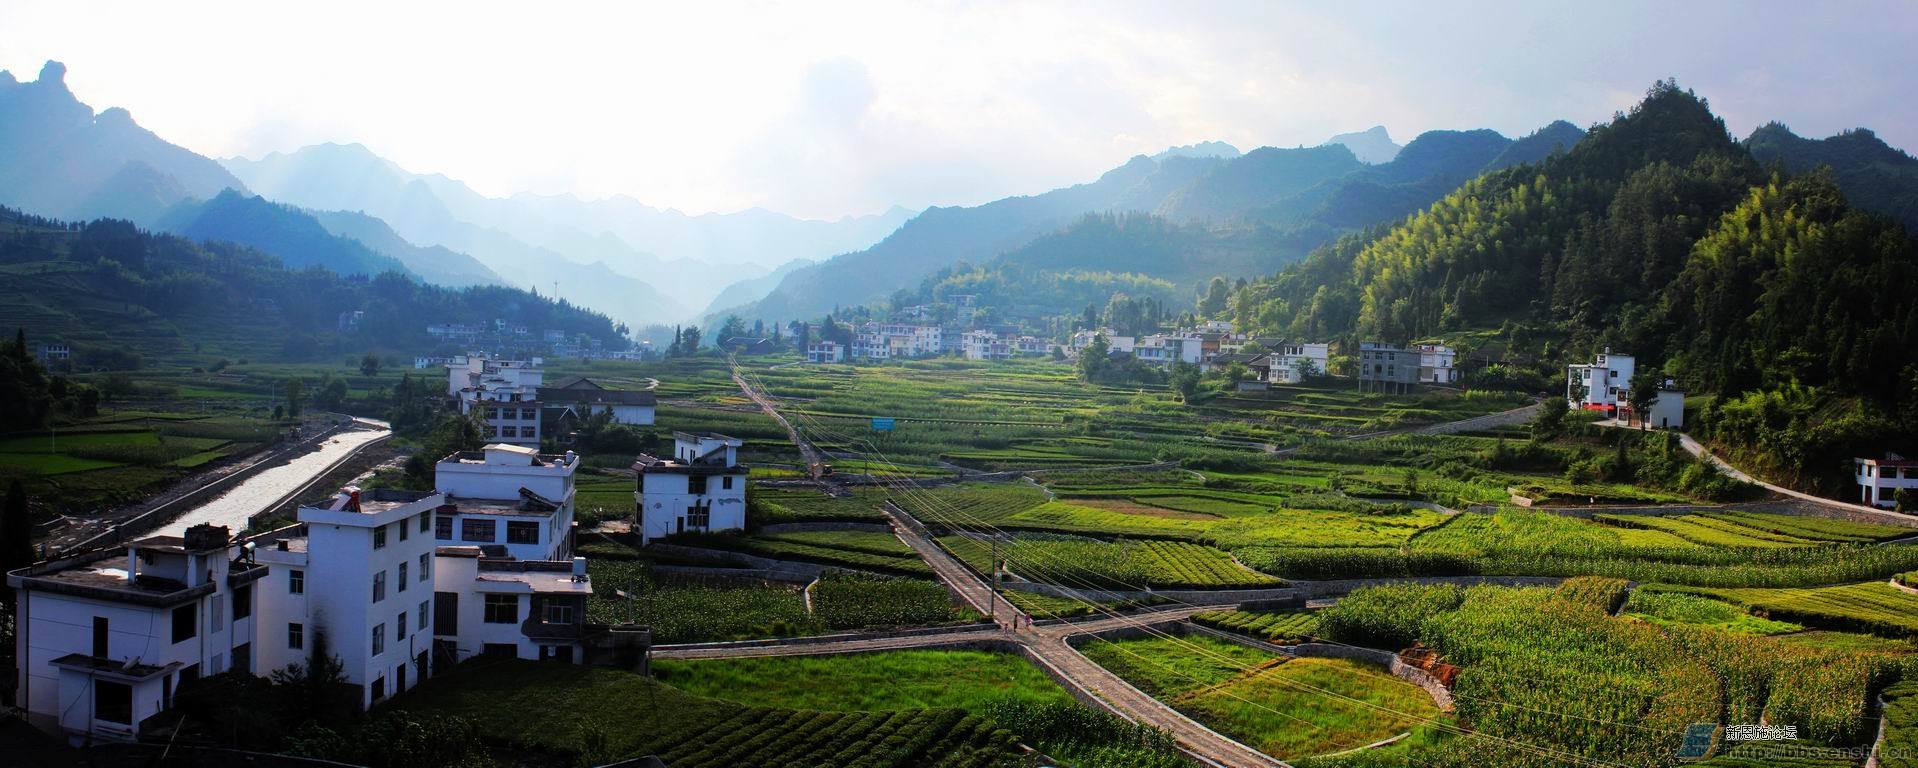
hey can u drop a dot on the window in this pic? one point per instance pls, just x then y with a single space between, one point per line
401 525
492 413
502 609
422 615
100 637
499 650
443 528
522 532
112 702
379 639
492 431
296 636
242 602
379 687
696 484
379 586
509 431
399 627
296 582
426 521
559 613
402 579
528 414
726 483
379 537
699 517
477 530
426 564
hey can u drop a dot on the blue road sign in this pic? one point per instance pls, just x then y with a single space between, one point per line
882 425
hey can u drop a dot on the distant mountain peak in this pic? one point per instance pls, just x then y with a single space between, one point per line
1371 146
1217 149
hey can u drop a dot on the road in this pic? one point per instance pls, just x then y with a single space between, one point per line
269 488
814 459
1698 449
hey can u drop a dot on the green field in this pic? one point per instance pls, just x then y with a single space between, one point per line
1120 564
871 682
1280 627
595 715
1287 709
1874 607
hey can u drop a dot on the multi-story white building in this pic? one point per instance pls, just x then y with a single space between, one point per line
882 341
1289 363
358 572
1601 386
1437 364
508 500
825 352
984 345
1880 480
1164 349
104 638
702 488
509 608
505 392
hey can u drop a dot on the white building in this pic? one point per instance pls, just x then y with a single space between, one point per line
508 500
882 341
1601 386
508 608
825 352
1288 361
505 392
1667 410
575 398
1164 349
1880 480
702 488
104 639
1437 364
984 345
358 571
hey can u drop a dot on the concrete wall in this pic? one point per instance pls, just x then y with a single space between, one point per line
1191 596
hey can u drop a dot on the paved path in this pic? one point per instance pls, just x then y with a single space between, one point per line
1698 449
814 459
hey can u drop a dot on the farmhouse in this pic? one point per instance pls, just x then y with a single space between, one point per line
1384 367
825 352
1601 386
575 398
1666 412
1436 364
1292 363
1880 480
701 488
391 583
881 341
505 392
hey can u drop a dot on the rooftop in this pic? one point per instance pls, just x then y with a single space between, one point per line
542 576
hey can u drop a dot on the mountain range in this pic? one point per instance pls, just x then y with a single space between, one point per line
1289 201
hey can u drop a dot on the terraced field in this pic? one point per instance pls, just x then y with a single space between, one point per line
1279 627
1120 564
1874 607
876 552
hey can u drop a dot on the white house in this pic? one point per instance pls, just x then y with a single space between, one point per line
825 352
1163 349
505 392
104 639
881 341
984 345
513 501
1288 362
1666 412
576 397
358 571
511 608
1436 364
702 488
1601 386
1880 480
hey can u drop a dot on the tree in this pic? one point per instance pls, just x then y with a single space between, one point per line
16 530
370 365
1185 380
1094 358
730 329
690 340
1306 368
1643 393
332 394
1217 294
1550 422
295 396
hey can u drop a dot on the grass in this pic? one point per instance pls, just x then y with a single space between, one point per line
872 682
1287 709
1121 564
1280 627
898 559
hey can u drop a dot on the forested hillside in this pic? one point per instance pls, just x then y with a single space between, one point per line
117 293
1661 235
1875 176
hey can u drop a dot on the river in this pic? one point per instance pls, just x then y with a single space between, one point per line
271 486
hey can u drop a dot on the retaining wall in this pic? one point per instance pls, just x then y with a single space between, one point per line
1187 596
1335 587
891 634
825 526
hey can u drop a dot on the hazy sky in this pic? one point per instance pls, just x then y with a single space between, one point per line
826 109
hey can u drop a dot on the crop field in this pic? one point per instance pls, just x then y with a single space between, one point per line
876 552
602 496
789 505
1279 627
1901 725
1120 564
1679 608
1874 606
588 714
121 456
842 602
867 682
1549 669
1036 414
1287 709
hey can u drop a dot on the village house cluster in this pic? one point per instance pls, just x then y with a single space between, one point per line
518 408
394 585
501 334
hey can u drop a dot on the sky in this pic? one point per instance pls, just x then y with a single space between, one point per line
827 109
